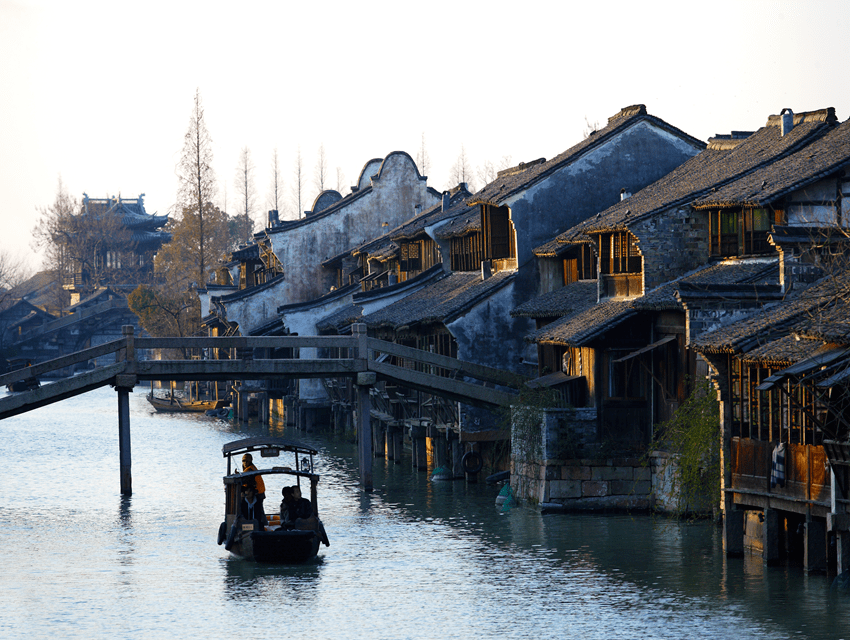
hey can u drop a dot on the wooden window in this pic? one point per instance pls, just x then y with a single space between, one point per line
580 266
619 253
741 231
466 252
498 232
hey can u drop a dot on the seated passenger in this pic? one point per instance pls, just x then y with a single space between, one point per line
252 506
287 520
302 508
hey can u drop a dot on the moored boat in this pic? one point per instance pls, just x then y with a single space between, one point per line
270 539
174 404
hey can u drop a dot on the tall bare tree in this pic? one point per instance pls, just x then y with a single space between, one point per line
298 183
275 198
461 170
197 181
320 173
81 247
247 194
340 181
423 160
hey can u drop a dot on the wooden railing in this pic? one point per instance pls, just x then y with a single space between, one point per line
806 470
462 381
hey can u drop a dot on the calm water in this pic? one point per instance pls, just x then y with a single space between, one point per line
414 559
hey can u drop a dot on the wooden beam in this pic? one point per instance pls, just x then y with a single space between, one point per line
246 369
60 390
471 369
241 342
456 389
62 362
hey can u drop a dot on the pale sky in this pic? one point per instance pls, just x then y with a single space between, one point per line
100 93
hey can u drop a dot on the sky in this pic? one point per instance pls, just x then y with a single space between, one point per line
100 94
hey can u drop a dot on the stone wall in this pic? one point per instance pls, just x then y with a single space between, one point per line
584 484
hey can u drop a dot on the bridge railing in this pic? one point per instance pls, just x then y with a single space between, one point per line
430 372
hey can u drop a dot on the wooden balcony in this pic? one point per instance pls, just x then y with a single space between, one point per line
622 285
806 471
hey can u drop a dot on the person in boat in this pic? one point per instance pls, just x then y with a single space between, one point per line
287 520
252 506
258 485
302 507
248 465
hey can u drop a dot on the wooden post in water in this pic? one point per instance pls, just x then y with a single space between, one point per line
123 385
365 380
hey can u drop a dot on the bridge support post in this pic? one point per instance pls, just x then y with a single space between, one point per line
124 383
124 440
365 380
364 430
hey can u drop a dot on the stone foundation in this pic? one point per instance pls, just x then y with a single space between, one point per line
584 484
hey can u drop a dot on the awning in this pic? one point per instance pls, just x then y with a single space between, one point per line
807 366
648 347
552 379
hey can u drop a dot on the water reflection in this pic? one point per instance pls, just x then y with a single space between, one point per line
411 559
256 582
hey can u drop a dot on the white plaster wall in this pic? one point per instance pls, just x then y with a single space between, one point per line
255 309
301 249
303 322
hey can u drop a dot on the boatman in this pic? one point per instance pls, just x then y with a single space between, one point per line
248 465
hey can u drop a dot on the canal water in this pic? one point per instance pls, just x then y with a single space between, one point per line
413 559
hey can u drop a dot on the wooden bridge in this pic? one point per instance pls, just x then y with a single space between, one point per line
364 362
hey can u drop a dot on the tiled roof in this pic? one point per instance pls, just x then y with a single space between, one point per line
731 278
829 325
580 328
567 300
811 163
556 247
379 248
712 168
516 179
782 352
340 319
795 314
441 301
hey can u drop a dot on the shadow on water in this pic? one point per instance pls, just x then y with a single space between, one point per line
250 581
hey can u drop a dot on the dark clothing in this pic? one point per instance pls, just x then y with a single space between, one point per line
302 509
254 511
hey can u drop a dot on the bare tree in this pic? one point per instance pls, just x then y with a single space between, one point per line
298 183
423 160
247 194
320 173
84 248
47 232
276 185
197 180
340 181
487 172
461 170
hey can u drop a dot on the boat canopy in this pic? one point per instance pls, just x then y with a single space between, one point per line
271 446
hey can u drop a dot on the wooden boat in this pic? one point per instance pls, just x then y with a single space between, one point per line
174 404
273 541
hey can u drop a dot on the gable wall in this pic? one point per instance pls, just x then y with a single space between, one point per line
302 249
635 158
